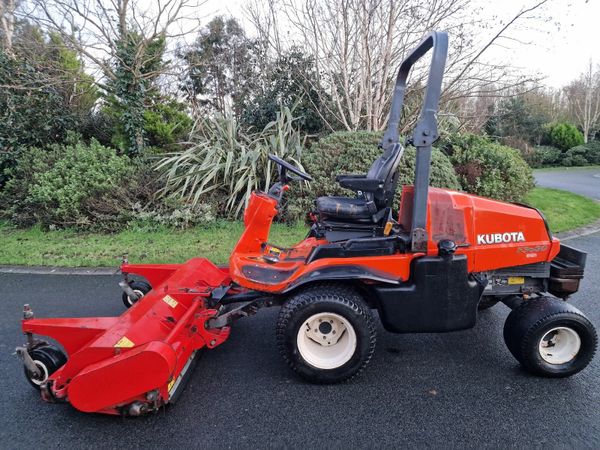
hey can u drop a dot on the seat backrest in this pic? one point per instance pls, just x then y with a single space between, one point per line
386 168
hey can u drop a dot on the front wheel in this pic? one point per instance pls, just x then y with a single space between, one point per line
141 288
550 338
48 360
326 333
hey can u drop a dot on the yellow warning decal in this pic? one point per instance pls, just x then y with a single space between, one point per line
516 280
124 343
170 301
170 385
274 250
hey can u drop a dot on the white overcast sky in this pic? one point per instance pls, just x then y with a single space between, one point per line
559 49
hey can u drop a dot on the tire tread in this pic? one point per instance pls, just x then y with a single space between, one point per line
325 292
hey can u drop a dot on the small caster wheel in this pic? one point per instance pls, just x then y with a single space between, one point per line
141 288
550 338
48 359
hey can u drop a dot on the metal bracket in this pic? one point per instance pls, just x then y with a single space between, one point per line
419 240
32 368
246 309
124 285
27 312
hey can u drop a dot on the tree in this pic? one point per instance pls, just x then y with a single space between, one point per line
7 24
289 81
222 70
518 117
96 28
28 111
60 64
583 101
44 92
129 93
358 44
124 40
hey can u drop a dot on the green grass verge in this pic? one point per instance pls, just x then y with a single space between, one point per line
566 168
564 210
66 248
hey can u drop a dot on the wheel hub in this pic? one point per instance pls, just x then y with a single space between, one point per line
42 377
326 330
326 340
139 294
559 345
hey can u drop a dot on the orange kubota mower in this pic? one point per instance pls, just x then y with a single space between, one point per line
429 268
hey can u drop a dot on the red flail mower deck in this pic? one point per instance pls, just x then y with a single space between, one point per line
156 340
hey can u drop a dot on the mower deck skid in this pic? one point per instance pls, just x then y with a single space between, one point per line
133 363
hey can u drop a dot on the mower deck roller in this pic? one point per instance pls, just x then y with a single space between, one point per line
429 267
132 363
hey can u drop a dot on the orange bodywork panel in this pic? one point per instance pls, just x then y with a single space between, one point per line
493 235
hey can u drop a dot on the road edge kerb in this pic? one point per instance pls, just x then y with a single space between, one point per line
592 228
52 270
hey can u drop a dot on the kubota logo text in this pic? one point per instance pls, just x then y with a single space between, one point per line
500 238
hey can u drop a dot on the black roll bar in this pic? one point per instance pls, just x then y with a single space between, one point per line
425 132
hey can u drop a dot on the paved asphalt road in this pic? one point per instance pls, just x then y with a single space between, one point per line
452 390
581 181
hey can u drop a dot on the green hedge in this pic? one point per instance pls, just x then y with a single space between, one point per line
487 168
52 186
542 156
582 155
353 153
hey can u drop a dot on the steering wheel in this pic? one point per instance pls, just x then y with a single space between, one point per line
284 166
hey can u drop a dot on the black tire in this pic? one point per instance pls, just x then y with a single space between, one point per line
487 303
529 329
49 359
139 286
335 300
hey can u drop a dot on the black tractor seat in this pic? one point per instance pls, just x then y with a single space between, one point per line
374 192
346 209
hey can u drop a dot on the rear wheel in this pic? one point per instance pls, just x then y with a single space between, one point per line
326 333
550 338
141 288
48 360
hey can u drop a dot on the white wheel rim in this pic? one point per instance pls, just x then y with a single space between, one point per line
559 345
139 293
44 370
326 340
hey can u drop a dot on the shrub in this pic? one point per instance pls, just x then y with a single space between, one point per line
582 155
226 164
167 123
542 155
53 186
489 169
170 215
563 135
32 111
353 153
